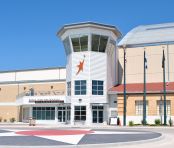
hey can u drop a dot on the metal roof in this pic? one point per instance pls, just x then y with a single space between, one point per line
90 24
149 34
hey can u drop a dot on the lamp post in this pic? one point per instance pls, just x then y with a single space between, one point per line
144 96
124 113
164 87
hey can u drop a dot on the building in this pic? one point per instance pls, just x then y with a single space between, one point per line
152 39
90 89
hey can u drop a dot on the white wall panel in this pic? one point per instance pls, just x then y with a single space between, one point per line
4 77
37 75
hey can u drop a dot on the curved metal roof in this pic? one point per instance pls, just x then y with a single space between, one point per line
149 34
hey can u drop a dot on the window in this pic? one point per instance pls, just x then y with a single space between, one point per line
80 87
97 87
160 107
66 44
139 107
80 113
44 113
99 43
80 43
68 88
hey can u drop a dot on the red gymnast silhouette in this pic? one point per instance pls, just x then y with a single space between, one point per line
80 66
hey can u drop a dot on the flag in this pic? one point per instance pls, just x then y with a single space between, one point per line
163 60
145 60
125 59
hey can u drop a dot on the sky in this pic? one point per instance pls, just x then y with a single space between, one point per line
28 27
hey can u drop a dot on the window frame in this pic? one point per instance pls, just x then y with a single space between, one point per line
95 87
41 113
79 38
67 45
99 42
69 88
161 103
139 107
79 113
80 88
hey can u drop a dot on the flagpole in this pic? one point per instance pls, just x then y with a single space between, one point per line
144 97
124 114
164 87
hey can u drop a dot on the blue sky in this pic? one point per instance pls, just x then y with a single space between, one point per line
28 27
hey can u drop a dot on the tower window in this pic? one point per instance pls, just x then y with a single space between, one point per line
80 43
99 43
66 44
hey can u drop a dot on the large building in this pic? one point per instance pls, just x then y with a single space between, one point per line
90 89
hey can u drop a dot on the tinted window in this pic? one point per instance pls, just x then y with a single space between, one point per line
99 43
80 87
80 43
67 47
76 44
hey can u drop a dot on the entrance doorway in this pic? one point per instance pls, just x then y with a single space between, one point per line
97 114
63 113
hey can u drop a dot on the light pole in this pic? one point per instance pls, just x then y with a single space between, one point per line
124 113
164 87
144 97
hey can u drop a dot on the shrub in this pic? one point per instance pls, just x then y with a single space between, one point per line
0 119
157 121
12 120
131 123
142 122
170 122
5 120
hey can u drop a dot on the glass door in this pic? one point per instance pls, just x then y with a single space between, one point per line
61 114
64 113
97 114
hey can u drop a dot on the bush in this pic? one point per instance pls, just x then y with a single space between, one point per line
0 119
12 120
157 121
170 122
142 122
131 123
5 120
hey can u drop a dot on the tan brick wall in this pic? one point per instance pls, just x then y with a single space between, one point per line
152 104
43 87
7 112
8 93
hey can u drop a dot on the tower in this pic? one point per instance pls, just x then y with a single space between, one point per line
91 69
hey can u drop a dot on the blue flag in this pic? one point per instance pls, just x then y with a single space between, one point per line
145 60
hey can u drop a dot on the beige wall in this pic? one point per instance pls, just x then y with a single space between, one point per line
8 93
152 104
7 112
135 59
43 87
